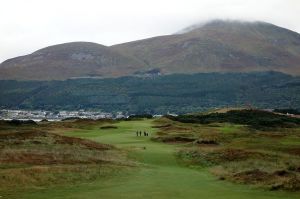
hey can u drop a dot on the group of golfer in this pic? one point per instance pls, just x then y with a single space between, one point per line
139 133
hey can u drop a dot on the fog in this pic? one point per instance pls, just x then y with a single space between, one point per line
29 25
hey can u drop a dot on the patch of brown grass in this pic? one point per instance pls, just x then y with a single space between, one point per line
280 179
35 157
59 139
173 139
37 176
293 151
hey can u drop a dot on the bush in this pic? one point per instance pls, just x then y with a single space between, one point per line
254 118
21 122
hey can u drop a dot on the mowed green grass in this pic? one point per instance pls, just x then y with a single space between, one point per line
158 176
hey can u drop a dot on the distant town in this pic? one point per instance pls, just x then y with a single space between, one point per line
38 115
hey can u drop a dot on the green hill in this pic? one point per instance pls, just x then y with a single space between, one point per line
180 93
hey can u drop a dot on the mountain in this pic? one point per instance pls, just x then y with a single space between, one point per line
221 46
217 46
77 59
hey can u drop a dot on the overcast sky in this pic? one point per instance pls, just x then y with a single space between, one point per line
27 25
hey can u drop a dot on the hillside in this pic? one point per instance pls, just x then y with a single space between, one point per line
179 93
77 59
220 46
217 46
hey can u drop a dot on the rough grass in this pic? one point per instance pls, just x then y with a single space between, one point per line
158 175
264 158
31 156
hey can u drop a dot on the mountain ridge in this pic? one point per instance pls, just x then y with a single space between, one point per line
69 60
216 46
211 48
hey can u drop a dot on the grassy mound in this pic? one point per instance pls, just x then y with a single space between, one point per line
31 156
267 158
254 118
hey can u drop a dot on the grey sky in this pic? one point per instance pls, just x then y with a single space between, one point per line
27 25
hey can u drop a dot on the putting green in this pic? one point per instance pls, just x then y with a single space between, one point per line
159 176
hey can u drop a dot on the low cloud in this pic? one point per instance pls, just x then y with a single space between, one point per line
32 24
